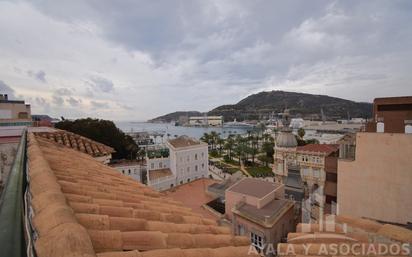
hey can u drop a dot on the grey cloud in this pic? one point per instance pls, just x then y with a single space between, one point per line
5 89
101 84
99 105
39 75
234 48
63 91
73 101
57 100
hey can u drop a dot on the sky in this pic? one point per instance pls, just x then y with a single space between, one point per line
135 60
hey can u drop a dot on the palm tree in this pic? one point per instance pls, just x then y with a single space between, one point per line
205 138
213 139
229 145
220 142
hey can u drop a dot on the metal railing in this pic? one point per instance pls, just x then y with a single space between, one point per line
12 237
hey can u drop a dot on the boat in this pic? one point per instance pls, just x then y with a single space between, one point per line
236 124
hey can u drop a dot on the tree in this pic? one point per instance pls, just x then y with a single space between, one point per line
265 159
220 142
105 132
301 132
214 136
240 147
267 148
229 145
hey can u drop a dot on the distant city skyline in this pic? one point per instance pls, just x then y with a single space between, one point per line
135 60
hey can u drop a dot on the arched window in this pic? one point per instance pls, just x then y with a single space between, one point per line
195 167
129 171
196 156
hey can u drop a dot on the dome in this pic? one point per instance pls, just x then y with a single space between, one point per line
286 139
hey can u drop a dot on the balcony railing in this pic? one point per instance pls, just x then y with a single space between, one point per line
12 237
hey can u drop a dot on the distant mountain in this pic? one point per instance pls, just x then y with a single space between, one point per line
262 105
174 116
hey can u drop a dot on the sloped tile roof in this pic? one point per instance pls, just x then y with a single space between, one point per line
315 239
77 142
184 141
84 208
319 148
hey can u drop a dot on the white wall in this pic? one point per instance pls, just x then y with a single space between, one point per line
157 163
189 164
134 171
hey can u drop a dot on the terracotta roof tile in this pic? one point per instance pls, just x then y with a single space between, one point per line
319 148
184 141
76 142
83 208
310 239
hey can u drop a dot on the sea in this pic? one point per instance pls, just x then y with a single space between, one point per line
172 130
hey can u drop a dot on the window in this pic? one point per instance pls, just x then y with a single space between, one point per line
196 156
123 171
188 180
188 169
257 241
152 165
240 230
129 171
408 129
380 127
203 165
187 158
203 155
160 165
195 167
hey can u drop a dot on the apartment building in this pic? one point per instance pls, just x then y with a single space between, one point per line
308 172
376 183
187 161
14 113
391 115
257 209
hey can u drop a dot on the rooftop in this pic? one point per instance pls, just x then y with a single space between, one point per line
82 207
319 148
76 142
339 230
184 141
160 173
267 215
254 187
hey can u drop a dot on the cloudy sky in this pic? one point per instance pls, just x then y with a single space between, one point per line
133 60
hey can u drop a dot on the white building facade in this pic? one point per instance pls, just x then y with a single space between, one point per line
187 161
131 169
